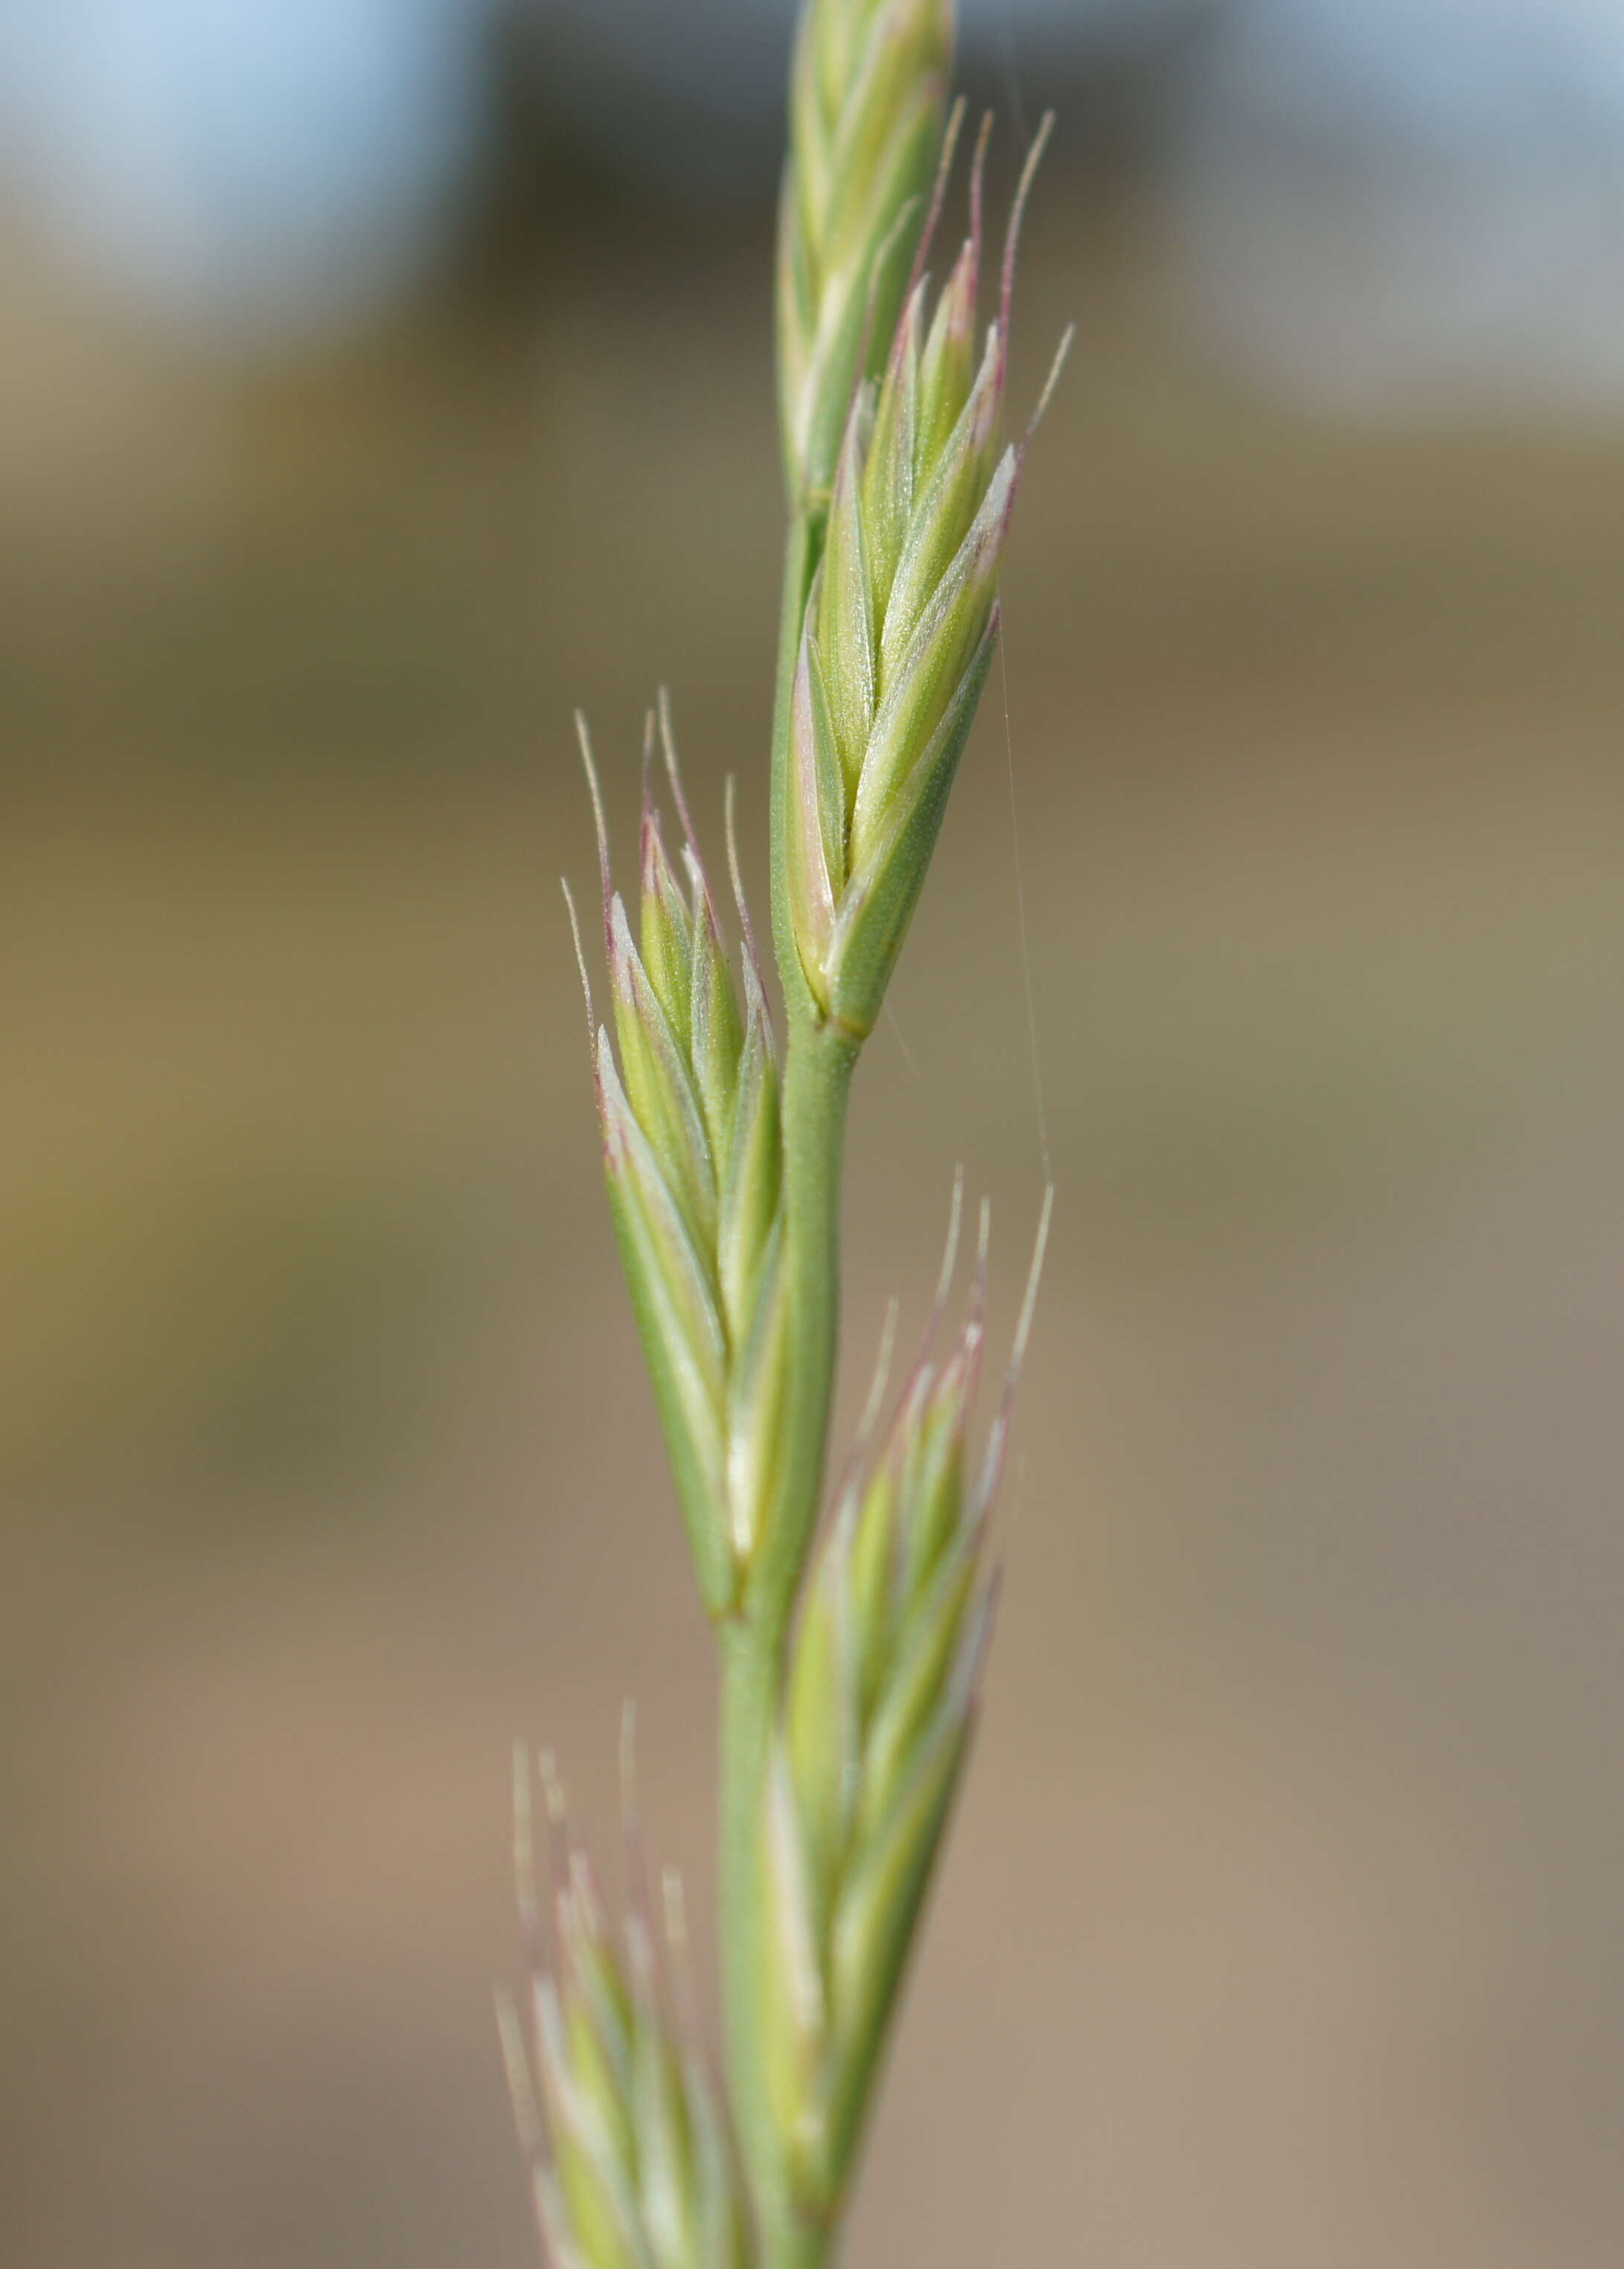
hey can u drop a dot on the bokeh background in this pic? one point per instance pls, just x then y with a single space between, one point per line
378 379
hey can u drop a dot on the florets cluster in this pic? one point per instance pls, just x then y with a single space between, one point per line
899 628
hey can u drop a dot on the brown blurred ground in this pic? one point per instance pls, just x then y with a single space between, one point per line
1282 1922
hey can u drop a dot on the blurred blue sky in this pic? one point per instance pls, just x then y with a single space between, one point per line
263 164
1370 194
1385 202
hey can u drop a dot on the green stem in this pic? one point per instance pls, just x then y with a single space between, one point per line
817 1080
817 1083
817 1077
749 1690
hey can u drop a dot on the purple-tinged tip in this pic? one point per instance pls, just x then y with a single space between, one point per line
598 821
939 190
842 1498
917 1385
674 775
1018 214
730 817
997 1438
580 958
978 187
959 294
961 1372
1068 339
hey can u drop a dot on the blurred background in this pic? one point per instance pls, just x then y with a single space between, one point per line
378 379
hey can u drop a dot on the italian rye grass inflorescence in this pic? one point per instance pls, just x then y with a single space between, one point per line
851 1633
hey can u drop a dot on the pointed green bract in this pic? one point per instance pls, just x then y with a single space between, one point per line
878 904
887 464
752 1168
667 926
946 362
659 1080
846 615
758 1382
683 1340
898 633
714 1035
867 99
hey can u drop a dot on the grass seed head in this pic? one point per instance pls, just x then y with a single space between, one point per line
632 2162
852 1658
868 92
687 1099
877 1716
899 627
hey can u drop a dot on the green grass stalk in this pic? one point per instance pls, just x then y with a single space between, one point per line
817 1078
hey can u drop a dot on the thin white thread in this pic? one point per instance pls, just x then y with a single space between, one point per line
1034 1047
1012 85
897 1034
1018 111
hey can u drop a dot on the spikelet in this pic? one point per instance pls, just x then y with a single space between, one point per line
877 1716
899 628
631 2161
692 1156
867 93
